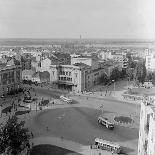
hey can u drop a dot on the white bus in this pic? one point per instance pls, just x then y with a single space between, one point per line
65 99
106 145
104 121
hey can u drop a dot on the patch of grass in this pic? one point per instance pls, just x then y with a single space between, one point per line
123 119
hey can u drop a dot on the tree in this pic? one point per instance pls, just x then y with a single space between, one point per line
115 74
153 78
140 72
129 73
149 76
104 79
14 137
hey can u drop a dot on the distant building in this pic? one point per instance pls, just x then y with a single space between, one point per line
41 77
10 77
94 63
146 145
150 62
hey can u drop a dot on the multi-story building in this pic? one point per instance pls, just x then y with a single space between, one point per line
146 145
122 59
10 78
86 60
78 77
150 62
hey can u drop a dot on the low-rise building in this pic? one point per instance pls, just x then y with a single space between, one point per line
146 145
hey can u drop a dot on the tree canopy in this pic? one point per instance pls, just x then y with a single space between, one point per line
140 72
115 74
13 136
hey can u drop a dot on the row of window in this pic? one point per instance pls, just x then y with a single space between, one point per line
65 73
65 78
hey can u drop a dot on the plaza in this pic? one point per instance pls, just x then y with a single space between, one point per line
74 126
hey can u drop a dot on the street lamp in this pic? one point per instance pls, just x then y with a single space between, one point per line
128 79
114 85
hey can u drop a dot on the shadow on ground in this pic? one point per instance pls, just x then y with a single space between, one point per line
127 150
74 102
50 150
22 112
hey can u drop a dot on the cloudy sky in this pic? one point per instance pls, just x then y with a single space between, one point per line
71 18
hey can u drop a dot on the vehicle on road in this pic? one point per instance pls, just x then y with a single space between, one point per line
104 121
106 145
65 99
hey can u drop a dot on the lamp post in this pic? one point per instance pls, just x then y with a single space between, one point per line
114 85
128 79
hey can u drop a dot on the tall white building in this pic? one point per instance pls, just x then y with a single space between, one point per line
146 145
150 62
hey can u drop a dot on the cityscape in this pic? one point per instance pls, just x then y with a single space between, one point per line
63 92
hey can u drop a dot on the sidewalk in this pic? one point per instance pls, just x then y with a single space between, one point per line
70 145
114 96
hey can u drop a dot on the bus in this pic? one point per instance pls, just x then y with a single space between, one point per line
106 145
104 121
65 99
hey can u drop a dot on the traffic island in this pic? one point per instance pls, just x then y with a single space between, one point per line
124 120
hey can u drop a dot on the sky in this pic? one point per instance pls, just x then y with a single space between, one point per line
111 19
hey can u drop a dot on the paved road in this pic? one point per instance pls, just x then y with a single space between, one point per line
126 136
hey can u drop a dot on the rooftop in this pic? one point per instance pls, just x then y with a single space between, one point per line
81 65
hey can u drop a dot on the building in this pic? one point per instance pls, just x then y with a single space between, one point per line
41 77
150 62
105 54
92 62
10 77
27 75
26 62
121 59
78 77
146 145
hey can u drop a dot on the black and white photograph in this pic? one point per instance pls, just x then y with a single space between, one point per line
77 77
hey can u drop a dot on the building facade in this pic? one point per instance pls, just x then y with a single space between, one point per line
146 145
78 77
69 76
10 79
150 62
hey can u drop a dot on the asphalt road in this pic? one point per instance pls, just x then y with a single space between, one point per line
80 123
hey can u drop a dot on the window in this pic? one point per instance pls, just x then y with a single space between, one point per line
53 72
71 79
66 73
69 73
